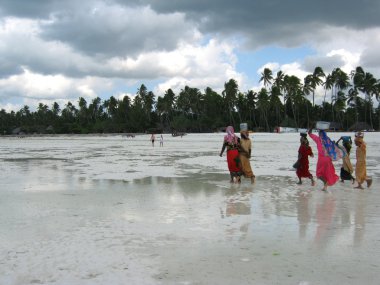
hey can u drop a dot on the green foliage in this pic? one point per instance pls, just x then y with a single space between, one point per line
282 101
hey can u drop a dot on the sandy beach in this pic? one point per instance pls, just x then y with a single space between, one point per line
115 210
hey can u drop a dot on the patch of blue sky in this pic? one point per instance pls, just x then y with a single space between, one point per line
249 62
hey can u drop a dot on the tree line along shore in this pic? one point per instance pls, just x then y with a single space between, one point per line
350 102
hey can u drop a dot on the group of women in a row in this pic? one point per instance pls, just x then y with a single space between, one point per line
239 153
329 151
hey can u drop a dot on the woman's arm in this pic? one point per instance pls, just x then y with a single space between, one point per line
223 148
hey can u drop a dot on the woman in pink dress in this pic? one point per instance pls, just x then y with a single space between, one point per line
327 152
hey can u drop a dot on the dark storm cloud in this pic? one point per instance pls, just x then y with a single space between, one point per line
112 27
273 21
116 31
8 68
240 13
32 9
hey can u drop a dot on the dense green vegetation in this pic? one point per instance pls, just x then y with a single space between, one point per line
349 99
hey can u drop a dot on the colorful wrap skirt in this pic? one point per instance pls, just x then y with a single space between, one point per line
233 162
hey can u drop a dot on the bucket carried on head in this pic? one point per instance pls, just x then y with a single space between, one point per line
321 125
243 127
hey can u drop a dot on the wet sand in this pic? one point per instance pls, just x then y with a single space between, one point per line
195 230
58 228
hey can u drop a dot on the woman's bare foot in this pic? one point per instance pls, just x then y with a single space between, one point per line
312 183
253 179
359 187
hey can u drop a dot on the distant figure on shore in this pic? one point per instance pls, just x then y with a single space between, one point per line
326 152
161 140
152 138
231 142
347 169
361 167
302 164
245 150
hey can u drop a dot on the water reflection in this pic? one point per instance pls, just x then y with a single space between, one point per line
303 213
359 221
324 216
238 201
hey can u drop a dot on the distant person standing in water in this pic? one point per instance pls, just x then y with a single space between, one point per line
231 142
152 138
326 152
302 164
361 168
161 140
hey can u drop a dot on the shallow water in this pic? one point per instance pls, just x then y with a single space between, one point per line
111 210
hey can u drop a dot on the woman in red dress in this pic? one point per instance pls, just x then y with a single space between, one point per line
231 142
304 152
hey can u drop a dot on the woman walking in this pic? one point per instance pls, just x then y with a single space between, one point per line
304 152
231 142
361 168
326 152
245 154
346 170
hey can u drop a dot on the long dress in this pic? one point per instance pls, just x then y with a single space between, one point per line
303 154
233 161
347 169
325 167
245 155
360 168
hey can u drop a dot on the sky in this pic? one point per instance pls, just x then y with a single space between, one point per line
58 51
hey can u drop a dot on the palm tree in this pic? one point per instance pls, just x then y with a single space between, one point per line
267 77
352 100
369 85
83 111
95 109
279 82
229 95
165 106
316 79
292 86
251 101
263 107
113 105
276 104
340 105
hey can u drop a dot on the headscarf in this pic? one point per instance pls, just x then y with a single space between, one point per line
359 137
347 145
244 134
329 146
304 141
230 136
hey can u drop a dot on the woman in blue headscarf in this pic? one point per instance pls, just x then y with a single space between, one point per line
327 152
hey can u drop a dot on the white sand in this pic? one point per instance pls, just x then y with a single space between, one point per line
111 210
